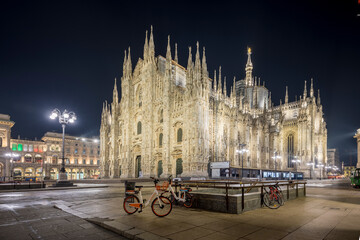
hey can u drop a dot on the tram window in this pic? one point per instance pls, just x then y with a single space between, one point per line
357 173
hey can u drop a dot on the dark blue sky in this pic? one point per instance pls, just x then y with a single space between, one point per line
66 54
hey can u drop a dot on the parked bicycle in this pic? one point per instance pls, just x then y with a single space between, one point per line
161 206
182 196
273 197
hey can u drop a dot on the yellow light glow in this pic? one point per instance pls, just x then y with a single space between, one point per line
249 50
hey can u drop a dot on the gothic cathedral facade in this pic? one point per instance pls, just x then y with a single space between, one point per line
173 120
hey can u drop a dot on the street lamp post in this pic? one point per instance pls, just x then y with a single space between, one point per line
321 168
276 157
311 166
296 161
242 151
11 155
64 118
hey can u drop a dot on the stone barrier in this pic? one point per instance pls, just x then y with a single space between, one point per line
217 201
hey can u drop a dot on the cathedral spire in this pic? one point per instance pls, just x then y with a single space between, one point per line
129 65
305 91
255 105
286 96
176 54
205 73
151 44
115 93
233 93
234 89
197 59
225 92
146 47
124 64
248 69
168 50
318 98
215 81
189 65
312 88
219 83
269 102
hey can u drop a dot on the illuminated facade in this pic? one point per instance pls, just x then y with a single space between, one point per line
357 137
43 158
173 120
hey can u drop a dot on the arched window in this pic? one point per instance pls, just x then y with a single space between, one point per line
290 149
160 140
54 159
28 158
179 135
140 97
139 128
161 118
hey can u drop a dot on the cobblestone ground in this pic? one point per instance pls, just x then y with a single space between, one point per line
32 215
331 211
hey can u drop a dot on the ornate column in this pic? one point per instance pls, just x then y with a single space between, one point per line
357 136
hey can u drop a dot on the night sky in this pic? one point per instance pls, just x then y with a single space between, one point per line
66 54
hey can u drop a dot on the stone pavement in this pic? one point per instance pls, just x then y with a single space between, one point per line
303 218
50 188
38 221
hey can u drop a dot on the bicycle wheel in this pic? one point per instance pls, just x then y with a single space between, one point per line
130 209
188 199
161 208
281 198
271 200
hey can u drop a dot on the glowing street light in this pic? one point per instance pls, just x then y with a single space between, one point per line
311 164
65 118
296 161
242 151
276 156
320 166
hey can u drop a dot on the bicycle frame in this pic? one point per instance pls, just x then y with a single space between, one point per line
141 203
177 198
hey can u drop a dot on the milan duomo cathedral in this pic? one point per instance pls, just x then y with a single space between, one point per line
173 120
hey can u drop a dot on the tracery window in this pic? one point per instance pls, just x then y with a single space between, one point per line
290 149
138 128
179 135
160 140
140 97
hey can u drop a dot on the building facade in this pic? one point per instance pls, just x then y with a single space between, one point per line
173 120
348 170
357 137
333 157
42 158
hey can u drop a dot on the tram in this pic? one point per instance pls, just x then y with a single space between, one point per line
355 178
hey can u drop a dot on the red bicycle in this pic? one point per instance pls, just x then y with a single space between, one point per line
273 197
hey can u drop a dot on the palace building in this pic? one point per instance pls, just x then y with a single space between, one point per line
172 120
42 158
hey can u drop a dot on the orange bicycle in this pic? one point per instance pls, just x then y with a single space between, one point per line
160 206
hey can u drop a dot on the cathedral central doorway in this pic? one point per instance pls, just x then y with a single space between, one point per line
138 172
